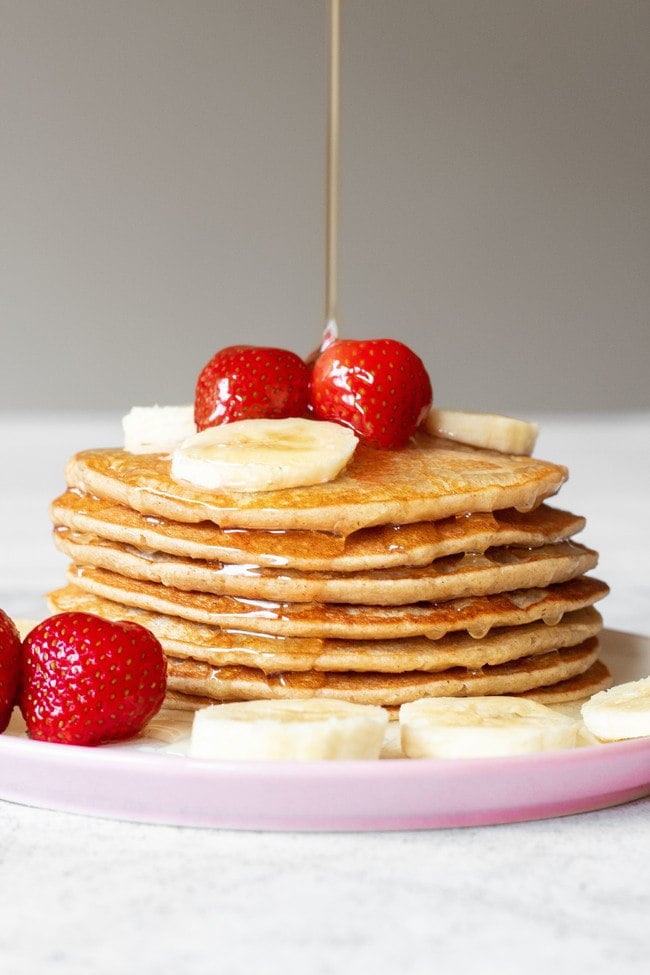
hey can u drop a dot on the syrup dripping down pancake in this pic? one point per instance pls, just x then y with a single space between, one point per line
475 614
519 676
471 574
571 689
381 547
221 648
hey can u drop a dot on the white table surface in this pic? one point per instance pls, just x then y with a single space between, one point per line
84 895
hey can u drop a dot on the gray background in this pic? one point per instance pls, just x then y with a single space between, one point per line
161 194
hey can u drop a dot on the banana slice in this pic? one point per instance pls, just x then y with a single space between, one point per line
620 712
264 455
25 626
157 429
478 727
572 710
302 730
502 433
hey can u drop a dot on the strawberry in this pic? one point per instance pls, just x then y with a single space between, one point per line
376 386
86 681
246 382
10 654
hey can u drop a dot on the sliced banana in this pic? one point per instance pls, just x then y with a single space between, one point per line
303 730
157 429
25 626
264 455
620 712
572 710
479 727
502 433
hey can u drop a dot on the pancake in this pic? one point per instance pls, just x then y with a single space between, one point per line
477 615
472 574
381 547
432 570
428 480
578 688
177 701
180 638
233 683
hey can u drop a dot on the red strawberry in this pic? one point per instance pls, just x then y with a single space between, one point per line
10 654
86 680
376 386
246 382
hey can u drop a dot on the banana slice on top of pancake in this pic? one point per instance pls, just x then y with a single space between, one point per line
489 430
157 429
264 455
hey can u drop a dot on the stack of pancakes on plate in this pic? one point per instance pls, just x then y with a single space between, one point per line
432 570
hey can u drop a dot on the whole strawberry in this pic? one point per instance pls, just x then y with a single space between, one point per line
246 382
379 387
10 654
86 680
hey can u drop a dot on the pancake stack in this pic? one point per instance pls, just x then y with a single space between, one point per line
433 570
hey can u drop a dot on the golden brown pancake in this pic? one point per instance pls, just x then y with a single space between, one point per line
234 683
476 614
496 570
433 570
426 481
381 547
578 688
220 648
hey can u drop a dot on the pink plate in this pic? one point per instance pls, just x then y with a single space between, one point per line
145 781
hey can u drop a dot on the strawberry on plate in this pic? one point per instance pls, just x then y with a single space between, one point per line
10 654
247 382
86 681
378 387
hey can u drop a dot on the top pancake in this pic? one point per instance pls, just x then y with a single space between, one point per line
426 481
